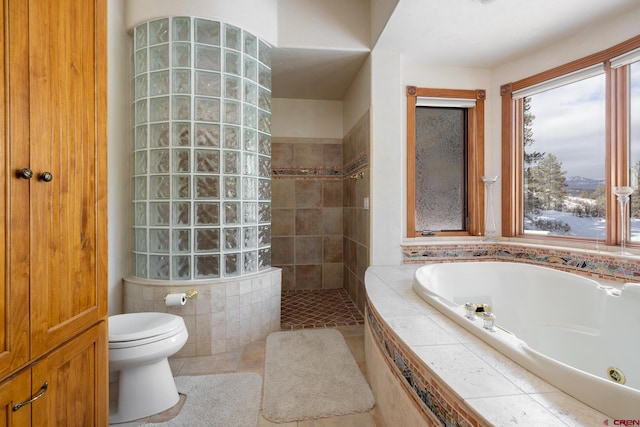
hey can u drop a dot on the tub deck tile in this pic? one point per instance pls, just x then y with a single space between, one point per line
457 376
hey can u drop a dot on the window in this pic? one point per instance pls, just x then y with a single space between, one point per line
570 135
445 160
634 147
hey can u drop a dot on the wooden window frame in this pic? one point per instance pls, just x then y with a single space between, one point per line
475 158
616 141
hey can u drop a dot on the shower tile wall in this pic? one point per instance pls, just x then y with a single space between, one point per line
307 222
356 216
320 226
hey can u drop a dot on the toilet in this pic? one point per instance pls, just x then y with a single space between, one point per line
139 347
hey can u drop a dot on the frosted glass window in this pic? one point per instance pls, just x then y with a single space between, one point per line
440 174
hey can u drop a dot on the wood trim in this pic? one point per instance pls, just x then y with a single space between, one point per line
578 64
411 164
475 160
616 138
617 147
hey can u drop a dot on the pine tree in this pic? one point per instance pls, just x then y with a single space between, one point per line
548 182
530 157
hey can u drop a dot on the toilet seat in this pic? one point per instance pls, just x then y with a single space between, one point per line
134 329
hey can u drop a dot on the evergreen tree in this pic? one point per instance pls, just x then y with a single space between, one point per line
530 157
548 182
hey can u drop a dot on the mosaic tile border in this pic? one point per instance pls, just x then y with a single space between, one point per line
599 265
307 172
425 389
357 165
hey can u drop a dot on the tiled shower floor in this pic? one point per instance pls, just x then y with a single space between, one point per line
321 308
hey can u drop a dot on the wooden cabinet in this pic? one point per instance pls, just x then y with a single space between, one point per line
53 297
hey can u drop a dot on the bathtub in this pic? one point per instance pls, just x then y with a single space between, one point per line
571 331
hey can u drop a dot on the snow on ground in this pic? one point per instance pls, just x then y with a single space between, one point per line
587 227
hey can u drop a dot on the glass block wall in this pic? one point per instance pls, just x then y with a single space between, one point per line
201 110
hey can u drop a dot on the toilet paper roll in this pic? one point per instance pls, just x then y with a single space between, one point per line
175 299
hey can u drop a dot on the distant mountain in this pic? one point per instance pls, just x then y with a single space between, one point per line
582 183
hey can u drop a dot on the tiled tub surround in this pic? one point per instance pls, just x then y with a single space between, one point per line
445 374
585 261
224 316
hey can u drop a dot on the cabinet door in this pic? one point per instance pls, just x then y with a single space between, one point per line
13 391
14 197
67 121
77 377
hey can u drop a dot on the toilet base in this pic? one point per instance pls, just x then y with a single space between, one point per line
143 391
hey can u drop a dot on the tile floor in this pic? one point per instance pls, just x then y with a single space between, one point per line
318 309
300 309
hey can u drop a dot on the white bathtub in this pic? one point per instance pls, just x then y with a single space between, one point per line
567 329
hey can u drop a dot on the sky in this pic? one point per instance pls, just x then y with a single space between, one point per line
569 123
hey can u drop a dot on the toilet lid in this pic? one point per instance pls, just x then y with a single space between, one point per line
137 326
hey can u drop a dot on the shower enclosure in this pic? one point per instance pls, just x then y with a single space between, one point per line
201 107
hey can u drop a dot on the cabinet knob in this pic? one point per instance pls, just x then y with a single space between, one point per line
46 176
41 393
25 173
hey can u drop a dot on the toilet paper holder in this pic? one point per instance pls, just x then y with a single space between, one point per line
189 294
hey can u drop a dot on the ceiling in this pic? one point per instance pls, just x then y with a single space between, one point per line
460 33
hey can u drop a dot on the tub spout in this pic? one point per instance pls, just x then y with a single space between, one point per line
489 319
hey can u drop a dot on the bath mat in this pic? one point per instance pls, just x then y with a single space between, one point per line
310 373
224 400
